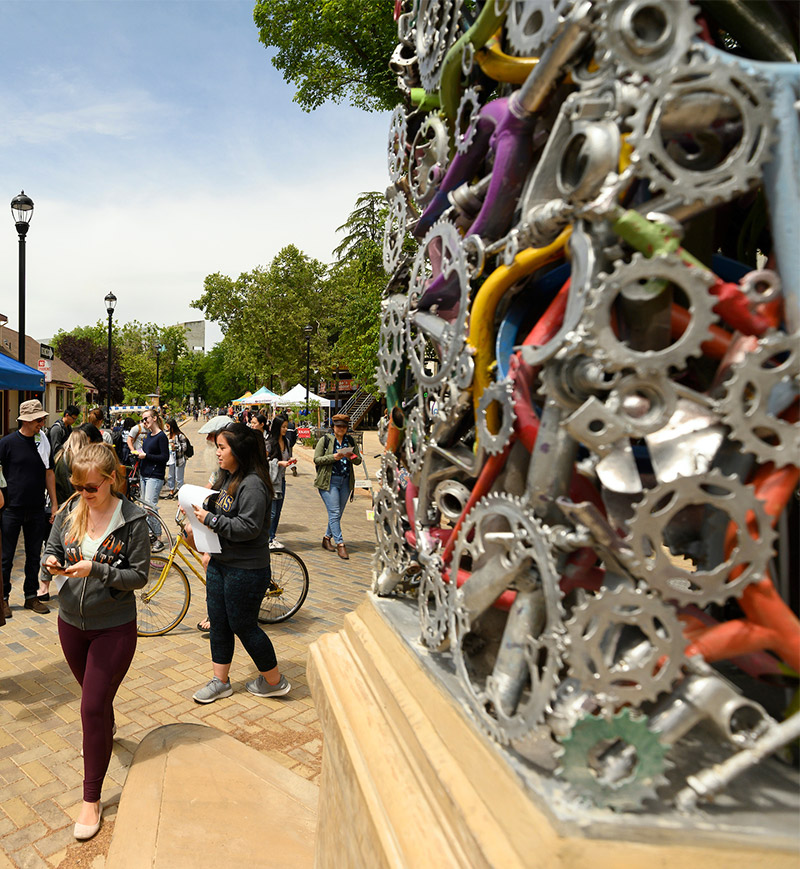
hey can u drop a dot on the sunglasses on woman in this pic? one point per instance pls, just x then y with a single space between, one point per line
90 489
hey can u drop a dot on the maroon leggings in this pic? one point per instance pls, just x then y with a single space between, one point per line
99 661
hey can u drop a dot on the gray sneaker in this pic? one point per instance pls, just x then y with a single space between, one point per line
261 688
213 691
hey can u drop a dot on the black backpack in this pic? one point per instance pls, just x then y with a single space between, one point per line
188 450
119 442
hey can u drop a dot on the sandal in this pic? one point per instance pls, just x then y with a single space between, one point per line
204 626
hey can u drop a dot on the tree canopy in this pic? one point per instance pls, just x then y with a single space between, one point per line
136 348
86 350
332 49
263 312
262 315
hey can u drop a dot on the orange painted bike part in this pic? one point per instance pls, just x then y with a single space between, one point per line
484 482
770 625
719 341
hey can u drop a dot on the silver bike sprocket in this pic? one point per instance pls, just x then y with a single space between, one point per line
433 603
695 158
747 406
500 395
531 23
679 561
598 323
645 36
625 646
394 232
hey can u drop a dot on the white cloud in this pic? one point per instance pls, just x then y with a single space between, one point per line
56 107
154 248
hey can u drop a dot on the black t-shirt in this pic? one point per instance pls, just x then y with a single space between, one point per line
24 471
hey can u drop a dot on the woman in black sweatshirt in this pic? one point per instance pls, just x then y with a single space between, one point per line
238 576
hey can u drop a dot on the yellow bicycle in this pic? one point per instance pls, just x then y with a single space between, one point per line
164 601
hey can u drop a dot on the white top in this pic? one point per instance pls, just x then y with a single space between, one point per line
90 545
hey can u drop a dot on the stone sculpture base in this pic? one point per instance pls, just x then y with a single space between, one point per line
408 780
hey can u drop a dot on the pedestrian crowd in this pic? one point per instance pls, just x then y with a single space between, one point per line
66 490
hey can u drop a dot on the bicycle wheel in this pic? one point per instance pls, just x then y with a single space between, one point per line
168 540
288 589
159 610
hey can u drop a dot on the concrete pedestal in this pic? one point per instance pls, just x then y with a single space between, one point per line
409 781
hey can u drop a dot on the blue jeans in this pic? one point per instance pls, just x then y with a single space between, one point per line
275 514
335 500
151 489
35 527
175 476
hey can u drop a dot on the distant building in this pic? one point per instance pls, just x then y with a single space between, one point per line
196 335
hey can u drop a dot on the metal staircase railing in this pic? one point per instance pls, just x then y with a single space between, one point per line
357 406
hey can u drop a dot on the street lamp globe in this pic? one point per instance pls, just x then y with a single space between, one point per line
22 211
308 331
111 303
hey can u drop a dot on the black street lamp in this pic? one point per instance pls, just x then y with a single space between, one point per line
308 331
111 303
22 211
159 350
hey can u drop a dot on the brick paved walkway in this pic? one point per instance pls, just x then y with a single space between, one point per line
40 765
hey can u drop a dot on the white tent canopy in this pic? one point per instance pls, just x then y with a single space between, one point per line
296 397
263 396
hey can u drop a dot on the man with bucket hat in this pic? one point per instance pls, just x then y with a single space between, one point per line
27 478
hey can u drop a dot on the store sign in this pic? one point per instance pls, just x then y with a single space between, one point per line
45 366
345 385
303 432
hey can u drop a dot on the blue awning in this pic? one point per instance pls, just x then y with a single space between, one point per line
15 375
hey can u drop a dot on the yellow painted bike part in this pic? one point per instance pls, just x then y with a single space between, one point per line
481 324
503 67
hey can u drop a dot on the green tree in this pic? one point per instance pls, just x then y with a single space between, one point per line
217 380
357 279
85 349
363 231
332 49
262 314
356 344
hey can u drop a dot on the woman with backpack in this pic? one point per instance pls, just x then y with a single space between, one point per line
334 457
179 451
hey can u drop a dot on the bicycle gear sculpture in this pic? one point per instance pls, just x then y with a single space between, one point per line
591 368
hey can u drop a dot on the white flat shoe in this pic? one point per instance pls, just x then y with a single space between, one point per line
86 831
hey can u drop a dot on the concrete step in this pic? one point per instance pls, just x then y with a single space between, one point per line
197 796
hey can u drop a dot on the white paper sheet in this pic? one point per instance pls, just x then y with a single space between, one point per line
205 540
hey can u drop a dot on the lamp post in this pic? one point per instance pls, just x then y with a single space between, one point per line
159 349
111 303
308 331
22 211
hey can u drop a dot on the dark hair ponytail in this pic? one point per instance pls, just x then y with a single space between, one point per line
247 446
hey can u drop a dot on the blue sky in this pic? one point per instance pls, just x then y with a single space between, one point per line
160 145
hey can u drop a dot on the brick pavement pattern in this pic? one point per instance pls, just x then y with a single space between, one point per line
41 769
